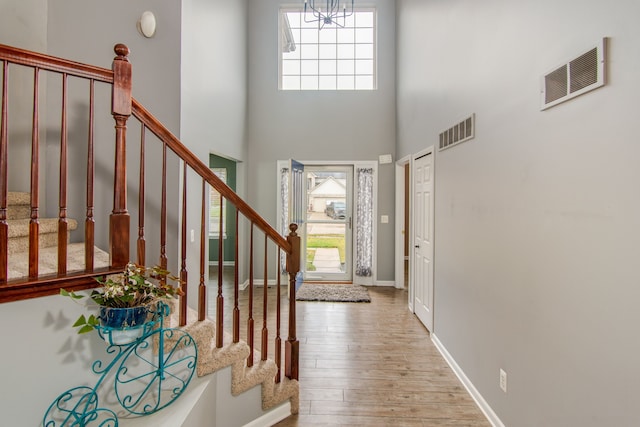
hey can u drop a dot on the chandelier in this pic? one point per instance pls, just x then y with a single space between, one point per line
327 12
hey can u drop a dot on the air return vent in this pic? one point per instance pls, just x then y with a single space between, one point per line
578 76
460 132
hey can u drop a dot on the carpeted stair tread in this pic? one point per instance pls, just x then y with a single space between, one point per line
48 260
18 205
20 227
212 359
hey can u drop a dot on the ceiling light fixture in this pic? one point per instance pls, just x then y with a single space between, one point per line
327 12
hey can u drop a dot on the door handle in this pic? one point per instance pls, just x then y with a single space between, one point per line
417 246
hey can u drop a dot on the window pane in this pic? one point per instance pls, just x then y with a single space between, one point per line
327 35
328 82
364 19
294 54
364 51
364 82
330 58
346 82
309 82
364 66
309 51
290 67
305 24
346 51
290 82
328 51
364 35
309 68
346 35
346 67
350 22
328 67
294 19
309 35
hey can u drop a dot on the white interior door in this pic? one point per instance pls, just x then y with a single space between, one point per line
423 237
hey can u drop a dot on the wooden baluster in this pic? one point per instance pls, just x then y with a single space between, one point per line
4 143
265 289
236 285
202 288
220 298
119 221
89 222
278 343
163 216
250 318
63 226
141 244
34 225
183 268
292 346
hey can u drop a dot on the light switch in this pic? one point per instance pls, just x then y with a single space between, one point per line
384 219
193 236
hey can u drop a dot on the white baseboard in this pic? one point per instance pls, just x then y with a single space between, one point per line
272 417
390 283
473 391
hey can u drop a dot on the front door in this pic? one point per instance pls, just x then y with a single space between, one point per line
423 237
327 238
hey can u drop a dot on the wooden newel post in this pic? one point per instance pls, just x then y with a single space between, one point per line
119 223
292 345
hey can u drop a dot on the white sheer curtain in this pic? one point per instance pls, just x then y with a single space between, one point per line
364 222
284 210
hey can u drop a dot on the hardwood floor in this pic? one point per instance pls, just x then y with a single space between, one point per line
372 364
375 365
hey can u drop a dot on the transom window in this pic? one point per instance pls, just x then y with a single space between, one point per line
331 58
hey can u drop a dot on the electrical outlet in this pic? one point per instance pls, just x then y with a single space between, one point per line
503 380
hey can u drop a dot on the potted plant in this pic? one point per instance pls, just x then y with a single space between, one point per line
124 300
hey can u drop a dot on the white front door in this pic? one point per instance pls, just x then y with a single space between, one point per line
423 237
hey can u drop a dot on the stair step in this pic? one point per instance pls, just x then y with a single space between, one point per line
48 260
47 233
18 205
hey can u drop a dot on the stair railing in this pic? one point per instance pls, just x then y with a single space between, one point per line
123 107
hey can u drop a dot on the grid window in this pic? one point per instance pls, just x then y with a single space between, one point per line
331 58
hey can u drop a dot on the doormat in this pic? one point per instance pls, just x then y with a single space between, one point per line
332 293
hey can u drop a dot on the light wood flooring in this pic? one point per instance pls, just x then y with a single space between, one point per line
371 364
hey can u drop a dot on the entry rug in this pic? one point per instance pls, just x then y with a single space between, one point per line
332 293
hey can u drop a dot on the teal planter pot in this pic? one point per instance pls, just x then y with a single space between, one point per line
123 325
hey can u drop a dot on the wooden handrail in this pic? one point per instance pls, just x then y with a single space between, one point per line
51 63
174 144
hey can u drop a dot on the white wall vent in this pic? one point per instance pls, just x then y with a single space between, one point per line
580 75
460 132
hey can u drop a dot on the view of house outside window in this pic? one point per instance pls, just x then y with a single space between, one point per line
330 58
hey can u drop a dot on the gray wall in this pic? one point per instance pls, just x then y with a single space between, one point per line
156 84
537 218
286 124
214 94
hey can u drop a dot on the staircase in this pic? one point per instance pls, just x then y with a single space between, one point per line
220 348
212 359
18 219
